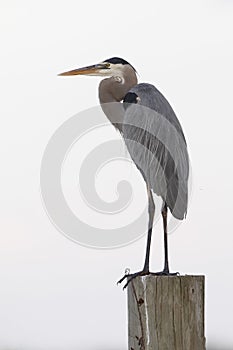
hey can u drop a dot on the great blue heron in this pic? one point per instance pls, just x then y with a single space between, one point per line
164 138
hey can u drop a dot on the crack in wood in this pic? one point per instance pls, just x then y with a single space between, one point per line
141 340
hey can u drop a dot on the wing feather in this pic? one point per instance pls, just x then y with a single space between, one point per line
156 143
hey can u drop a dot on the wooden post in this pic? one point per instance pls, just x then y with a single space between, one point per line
166 313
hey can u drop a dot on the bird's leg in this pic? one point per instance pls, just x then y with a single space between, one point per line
145 271
151 210
164 215
165 271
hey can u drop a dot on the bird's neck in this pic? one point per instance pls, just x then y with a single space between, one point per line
111 90
114 90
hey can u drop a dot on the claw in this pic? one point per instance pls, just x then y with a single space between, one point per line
127 272
122 279
144 273
132 276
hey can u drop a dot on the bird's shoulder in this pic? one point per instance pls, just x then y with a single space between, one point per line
147 95
151 97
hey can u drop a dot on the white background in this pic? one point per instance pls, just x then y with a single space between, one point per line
53 292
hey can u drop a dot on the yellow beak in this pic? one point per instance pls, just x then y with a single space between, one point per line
89 70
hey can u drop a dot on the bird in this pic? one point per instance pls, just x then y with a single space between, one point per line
155 141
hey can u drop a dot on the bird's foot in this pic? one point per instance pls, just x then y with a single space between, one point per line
165 272
131 276
144 272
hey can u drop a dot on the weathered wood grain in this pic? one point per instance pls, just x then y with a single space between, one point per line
166 313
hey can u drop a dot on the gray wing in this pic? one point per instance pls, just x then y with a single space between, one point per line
156 143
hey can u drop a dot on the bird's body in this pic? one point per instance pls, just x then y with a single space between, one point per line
153 136
163 158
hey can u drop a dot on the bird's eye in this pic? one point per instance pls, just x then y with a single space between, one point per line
107 65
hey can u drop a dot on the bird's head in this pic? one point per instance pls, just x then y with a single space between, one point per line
112 67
